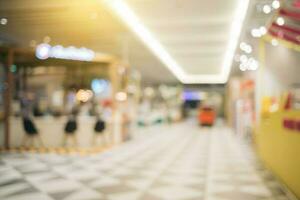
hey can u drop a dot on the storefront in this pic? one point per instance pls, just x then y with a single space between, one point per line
54 82
277 133
263 98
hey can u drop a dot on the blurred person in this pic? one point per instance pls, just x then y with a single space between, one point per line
70 130
107 116
71 101
99 130
31 132
25 104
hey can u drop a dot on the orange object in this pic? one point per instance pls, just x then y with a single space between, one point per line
206 116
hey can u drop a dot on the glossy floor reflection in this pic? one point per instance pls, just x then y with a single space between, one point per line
178 162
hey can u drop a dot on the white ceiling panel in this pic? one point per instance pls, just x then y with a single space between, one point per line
195 39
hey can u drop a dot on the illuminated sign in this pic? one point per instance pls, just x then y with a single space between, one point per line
45 51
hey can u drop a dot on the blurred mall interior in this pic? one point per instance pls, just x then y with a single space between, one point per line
150 100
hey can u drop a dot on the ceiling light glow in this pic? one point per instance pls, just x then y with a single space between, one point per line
280 21
263 30
255 33
131 20
3 21
267 9
125 13
243 67
258 32
276 4
250 64
248 49
121 96
243 46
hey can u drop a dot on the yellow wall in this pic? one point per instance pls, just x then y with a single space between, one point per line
279 148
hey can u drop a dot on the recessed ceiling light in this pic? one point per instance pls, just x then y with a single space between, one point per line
243 46
3 21
267 9
280 21
243 67
248 49
276 4
121 96
253 64
274 42
263 30
255 33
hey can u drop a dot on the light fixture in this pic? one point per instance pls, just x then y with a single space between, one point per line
3 21
125 13
262 30
243 46
243 67
121 96
267 9
276 4
99 85
131 20
249 64
280 21
84 95
252 64
236 28
248 49
256 33
274 42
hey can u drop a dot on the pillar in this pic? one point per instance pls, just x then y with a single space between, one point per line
7 97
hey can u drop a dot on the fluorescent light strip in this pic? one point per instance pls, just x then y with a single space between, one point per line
235 32
127 15
120 8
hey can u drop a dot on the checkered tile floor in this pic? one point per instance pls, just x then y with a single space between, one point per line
179 162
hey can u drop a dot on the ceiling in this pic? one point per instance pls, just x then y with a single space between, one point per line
196 36
79 24
66 22
281 60
195 39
